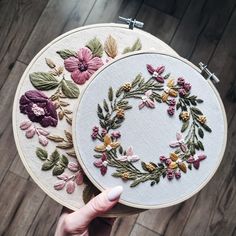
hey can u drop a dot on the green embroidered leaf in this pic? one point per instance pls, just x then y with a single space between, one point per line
185 126
136 46
58 170
41 154
199 100
120 150
192 149
110 94
99 109
66 53
54 157
97 155
207 128
96 47
167 76
43 81
64 161
47 165
144 166
196 111
71 154
178 106
105 106
200 133
136 80
119 92
136 182
69 89
200 144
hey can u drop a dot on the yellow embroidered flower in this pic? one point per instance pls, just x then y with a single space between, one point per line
125 176
184 115
150 167
107 145
202 119
169 91
177 162
120 113
127 87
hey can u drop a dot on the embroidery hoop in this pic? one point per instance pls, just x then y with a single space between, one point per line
129 203
122 210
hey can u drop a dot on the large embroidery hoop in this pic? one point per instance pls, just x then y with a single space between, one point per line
107 181
73 202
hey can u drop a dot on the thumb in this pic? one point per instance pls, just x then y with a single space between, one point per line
78 221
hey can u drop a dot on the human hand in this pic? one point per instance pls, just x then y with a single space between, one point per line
83 223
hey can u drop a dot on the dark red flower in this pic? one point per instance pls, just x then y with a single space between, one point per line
156 73
39 108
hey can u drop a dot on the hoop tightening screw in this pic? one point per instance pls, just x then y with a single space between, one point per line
131 22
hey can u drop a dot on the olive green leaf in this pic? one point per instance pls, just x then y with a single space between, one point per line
136 80
200 133
66 53
43 81
58 170
110 94
110 47
136 46
96 47
69 89
89 191
185 126
41 154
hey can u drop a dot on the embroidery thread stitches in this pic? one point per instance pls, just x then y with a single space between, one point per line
111 115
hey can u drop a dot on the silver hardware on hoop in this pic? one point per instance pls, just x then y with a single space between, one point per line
131 22
209 75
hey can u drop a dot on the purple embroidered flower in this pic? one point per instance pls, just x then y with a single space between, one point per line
177 174
146 101
172 102
179 143
130 156
187 87
182 92
83 65
162 158
103 132
196 161
168 161
170 174
95 129
39 108
180 81
156 73
116 134
102 164
171 110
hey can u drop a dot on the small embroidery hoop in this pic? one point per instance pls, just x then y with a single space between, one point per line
49 191
205 181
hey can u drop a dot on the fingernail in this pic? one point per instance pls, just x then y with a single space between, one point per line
114 193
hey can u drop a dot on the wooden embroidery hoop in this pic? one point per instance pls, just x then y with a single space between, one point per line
124 210
95 182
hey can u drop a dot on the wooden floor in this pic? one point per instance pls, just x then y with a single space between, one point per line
200 30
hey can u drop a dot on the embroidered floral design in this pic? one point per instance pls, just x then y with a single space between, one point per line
183 156
31 129
37 106
83 65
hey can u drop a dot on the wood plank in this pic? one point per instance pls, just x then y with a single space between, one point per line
17 20
158 23
45 221
123 225
107 11
171 7
140 230
19 203
18 168
201 28
6 133
63 15
159 220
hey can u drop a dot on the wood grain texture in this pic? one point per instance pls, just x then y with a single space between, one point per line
46 219
123 225
18 168
158 23
20 201
140 230
174 8
63 15
105 11
17 20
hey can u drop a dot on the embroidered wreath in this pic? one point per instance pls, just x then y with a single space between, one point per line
159 88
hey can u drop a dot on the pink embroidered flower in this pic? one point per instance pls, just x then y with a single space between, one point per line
82 66
102 164
116 134
196 161
170 174
177 174
179 143
180 81
146 101
39 108
162 158
130 156
172 102
156 73
171 110
103 132
187 87
182 92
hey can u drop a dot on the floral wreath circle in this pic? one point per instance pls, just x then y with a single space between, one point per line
159 88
